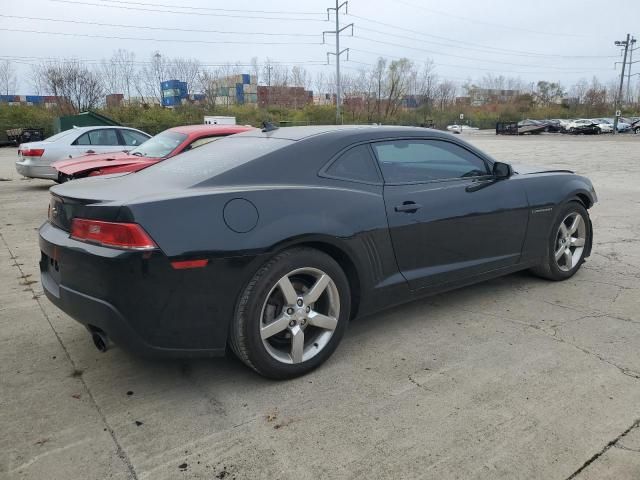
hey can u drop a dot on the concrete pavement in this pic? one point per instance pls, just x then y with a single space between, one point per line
516 378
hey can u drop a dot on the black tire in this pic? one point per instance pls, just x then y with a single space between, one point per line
244 337
549 269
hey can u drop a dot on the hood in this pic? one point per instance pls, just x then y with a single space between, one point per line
74 166
528 170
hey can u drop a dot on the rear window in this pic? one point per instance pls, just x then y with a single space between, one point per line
58 136
218 157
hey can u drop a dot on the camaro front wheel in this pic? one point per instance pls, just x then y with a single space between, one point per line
568 243
292 314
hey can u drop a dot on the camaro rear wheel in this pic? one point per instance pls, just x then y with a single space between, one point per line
292 314
570 236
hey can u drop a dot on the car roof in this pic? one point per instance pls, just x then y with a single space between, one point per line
206 128
340 131
94 127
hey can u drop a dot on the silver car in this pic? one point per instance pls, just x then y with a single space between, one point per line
35 158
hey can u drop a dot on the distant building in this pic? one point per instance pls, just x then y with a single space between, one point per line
48 101
114 100
288 97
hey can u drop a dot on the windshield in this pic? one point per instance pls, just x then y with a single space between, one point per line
160 146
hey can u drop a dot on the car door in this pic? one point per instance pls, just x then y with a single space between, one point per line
100 140
449 219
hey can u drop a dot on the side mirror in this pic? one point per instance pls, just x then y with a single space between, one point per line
502 170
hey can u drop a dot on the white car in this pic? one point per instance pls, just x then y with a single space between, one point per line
35 158
604 124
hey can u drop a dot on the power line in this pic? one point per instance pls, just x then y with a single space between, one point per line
17 58
434 52
111 37
144 27
487 49
155 10
476 21
457 42
466 67
186 7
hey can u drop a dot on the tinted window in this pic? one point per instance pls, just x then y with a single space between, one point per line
133 139
106 136
424 160
218 157
83 140
355 164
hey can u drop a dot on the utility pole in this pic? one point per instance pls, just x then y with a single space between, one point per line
338 52
631 49
618 101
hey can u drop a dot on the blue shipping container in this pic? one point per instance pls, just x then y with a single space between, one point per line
246 78
35 99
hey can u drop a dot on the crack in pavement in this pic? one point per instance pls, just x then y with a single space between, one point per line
119 450
597 455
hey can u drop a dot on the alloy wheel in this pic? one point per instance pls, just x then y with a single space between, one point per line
299 315
570 241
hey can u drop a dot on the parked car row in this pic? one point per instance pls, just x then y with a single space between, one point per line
584 126
90 151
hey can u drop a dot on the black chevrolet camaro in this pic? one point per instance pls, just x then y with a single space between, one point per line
270 242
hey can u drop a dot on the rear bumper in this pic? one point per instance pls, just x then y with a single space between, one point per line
27 169
138 300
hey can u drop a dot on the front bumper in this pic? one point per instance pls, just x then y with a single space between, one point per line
138 300
28 169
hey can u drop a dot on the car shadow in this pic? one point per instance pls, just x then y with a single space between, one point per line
227 371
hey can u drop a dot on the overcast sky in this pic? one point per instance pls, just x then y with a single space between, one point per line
556 40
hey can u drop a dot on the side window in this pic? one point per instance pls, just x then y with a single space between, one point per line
133 139
355 164
104 136
83 140
405 161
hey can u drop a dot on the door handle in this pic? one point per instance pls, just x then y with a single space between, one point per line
408 207
90 151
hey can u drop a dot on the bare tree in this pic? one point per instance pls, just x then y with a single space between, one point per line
579 89
125 62
209 83
71 81
397 85
110 75
445 94
300 77
151 76
184 69
255 69
8 79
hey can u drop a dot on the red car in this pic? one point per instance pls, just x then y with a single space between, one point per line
166 144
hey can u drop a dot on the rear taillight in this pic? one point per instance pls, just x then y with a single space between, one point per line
32 152
129 236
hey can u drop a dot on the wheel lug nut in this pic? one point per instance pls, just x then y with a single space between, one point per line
292 323
289 311
299 302
303 321
308 309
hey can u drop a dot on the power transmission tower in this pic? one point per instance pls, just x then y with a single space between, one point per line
618 101
338 52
